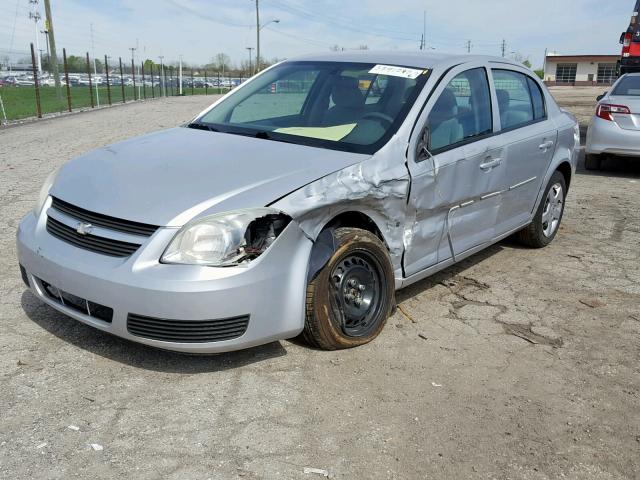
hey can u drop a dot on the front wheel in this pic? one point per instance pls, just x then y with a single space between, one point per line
350 299
546 222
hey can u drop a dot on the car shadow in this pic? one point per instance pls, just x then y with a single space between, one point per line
455 270
613 166
135 354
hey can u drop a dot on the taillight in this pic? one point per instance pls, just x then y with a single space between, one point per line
626 45
606 111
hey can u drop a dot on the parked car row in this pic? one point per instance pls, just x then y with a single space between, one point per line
80 80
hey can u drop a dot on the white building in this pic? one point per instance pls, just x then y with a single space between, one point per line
580 69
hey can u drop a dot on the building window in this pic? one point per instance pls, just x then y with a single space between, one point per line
606 72
566 72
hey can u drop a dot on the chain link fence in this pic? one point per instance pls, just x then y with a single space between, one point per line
87 83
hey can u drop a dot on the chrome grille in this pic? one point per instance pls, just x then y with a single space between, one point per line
105 221
105 246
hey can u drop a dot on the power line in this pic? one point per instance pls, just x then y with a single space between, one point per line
297 37
349 26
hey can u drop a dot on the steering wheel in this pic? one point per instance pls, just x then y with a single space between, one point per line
381 117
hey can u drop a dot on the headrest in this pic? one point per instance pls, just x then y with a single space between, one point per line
503 98
445 108
345 93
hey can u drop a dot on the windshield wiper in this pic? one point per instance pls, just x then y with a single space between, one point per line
267 136
202 126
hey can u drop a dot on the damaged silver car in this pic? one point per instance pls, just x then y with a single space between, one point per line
301 201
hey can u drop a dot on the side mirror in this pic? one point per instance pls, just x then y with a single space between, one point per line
622 37
600 97
422 148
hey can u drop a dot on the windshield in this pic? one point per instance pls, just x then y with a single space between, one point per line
354 107
629 86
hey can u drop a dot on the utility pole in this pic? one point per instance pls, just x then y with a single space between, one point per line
468 46
53 58
95 66
544 63
423 43
35 16
250 68
504 48
257 37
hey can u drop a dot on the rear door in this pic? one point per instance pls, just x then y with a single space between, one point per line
454 191
529 139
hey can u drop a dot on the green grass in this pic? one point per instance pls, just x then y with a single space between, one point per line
20 102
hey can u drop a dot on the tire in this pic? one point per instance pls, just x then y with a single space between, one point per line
593 162
350 299
546 222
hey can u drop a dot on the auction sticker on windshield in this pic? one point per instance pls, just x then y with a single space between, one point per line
403 72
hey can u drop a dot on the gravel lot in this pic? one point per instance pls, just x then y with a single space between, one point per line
515 364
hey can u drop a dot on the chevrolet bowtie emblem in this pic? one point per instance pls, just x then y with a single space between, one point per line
84 228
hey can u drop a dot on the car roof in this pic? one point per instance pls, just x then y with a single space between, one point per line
415 59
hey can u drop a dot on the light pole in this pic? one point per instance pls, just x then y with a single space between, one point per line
250 67
260 27
35 16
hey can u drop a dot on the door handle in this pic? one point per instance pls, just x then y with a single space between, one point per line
491 163
546 145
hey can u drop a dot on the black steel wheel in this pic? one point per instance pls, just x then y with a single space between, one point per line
350 299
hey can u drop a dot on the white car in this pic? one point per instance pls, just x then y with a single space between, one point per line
615 128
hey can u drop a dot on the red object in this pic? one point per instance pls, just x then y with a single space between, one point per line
606 111
626 45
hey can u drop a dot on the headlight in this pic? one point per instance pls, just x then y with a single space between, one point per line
44 192
226 239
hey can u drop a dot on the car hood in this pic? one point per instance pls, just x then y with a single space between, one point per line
167 178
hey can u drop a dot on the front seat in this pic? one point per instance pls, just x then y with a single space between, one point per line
348 102
445 127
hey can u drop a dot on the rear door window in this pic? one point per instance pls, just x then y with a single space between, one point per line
518 103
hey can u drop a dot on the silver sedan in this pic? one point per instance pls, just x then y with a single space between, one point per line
301 201
615 128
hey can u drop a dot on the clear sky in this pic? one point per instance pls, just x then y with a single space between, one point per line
198 29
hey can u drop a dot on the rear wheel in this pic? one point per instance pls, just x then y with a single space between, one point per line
593 162
351 298
546 221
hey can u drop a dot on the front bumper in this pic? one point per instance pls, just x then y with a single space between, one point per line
629 65
607 137
271 290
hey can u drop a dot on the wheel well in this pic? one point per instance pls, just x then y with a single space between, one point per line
565 169
356 220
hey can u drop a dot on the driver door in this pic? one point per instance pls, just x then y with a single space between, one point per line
456 185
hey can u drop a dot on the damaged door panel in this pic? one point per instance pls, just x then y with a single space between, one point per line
456 188
377 187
